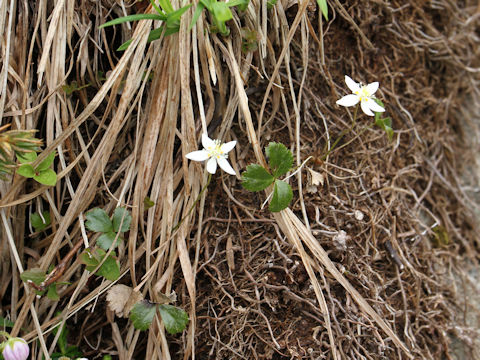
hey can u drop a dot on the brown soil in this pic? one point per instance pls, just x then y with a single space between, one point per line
396 218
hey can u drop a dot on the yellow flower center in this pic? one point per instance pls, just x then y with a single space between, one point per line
215 150
363 93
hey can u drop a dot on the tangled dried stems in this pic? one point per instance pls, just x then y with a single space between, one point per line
352 271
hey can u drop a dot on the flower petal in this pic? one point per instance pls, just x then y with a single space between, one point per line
207 142
212 165
372 88
374 106
225 166
225 148
200 155
352 85
348 100
364 105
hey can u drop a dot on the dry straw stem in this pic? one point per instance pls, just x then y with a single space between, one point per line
253 287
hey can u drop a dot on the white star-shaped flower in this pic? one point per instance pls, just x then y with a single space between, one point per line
362 94
215 152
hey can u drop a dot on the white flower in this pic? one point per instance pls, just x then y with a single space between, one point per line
215 152
362 93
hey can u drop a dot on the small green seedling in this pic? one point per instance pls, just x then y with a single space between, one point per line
42 173
220 12
143 312
257 178
170 21
40 223
110 229
384 123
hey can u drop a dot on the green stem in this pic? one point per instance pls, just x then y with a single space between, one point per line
342 134
5 334
175 228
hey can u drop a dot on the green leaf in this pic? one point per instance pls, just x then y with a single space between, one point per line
46 177
384 123
45 164
280 158
110 269
106 240
196 14
256 178
37 221
90 260
166 5
322 4
27 157
142 314
35 275
26 170
240 4
282 195
134 17
98 221
155 6
119 215
124 46
271 4
148 203
175 15
52 293
6 323
221 12
174 319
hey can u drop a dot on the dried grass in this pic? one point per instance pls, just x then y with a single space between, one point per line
255 285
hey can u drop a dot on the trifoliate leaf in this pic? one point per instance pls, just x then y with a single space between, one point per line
118 215
174 319
45 164
35 275
256 178
282 195
98 221
26 170
46 177
142 314
106 240
280 158
37 221
110 269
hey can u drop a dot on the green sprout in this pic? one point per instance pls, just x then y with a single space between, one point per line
257 178
42 173
170 21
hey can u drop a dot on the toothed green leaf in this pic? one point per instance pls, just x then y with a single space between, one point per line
256 178
282 195
280 158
